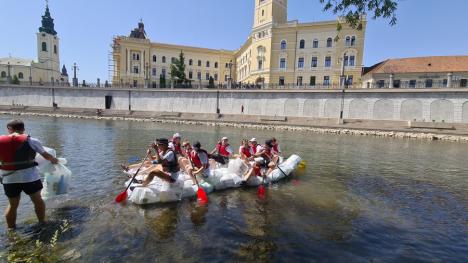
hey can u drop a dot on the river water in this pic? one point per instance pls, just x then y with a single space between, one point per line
359 199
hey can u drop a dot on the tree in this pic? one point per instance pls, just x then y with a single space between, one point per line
353 10
15 80
162 81
178 70
211 84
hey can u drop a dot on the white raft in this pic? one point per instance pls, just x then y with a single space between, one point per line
159 191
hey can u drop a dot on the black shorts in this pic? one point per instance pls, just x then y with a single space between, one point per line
14 190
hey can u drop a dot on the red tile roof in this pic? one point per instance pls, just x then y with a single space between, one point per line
421 65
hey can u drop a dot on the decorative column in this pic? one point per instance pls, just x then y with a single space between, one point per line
390 84
449 80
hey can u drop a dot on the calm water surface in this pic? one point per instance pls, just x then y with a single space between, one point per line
359 199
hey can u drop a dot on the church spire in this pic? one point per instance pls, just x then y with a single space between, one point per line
47 22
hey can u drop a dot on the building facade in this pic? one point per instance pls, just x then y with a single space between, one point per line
44 69
419 72
277 53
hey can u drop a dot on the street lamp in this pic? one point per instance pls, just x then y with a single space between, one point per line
75 79
343 84
146 75
230 75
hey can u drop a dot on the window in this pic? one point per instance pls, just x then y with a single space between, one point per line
44 46
396 83
135 83
225 77
190 62
327 62
314 62
134 56
153 71
380 83
315 44
283 63
207 76
300 63
463 83
428 83
348 41
281 81
412 83
163 59
444 83
260 64
227 65
138 57
299 81
216 64
216 76
283 45
351 61
199 63
350 80
346 59
329 42
55 49
207 64
263 12
20 75
199 75
173 60
353 41
163 72
302 44
135 69
326 80
190 75
3 74
154 58
312 81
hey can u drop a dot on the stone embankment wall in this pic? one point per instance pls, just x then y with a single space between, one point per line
443 105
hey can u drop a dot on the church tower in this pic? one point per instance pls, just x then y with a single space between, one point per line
48 48
269 13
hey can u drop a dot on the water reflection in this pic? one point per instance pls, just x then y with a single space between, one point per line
162 221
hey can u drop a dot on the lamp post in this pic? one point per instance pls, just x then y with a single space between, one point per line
146 75
9 73
230 75
75 79
343 83
30 73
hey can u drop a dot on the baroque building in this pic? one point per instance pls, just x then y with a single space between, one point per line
44 69
277 53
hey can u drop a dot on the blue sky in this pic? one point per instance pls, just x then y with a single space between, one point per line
86 28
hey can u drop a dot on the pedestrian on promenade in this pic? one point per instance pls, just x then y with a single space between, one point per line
18 170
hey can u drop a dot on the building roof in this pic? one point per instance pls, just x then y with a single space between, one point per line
16 61
436 64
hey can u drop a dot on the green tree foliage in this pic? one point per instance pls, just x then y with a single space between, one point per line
15 80
178 70
353 10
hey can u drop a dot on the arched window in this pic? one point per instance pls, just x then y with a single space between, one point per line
190 62
44 46
353 40
20 75
302 44
283 44
348 41
207 64
199 63
154 58
3 74
163 59
329 42
216 64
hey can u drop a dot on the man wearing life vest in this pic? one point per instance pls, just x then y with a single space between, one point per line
167 167
18 170
224 151
175 144
255 146
269 159
199 160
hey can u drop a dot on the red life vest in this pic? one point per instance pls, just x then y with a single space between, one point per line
195 158
257 170
246 151
254 149
275 148
268 154
177 148
16 153
222 149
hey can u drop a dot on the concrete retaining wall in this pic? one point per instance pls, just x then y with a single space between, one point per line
448 105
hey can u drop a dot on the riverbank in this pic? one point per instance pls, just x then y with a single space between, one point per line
349 127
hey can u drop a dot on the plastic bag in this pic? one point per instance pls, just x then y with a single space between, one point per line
56 178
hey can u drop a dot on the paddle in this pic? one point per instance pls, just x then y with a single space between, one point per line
261 188
123 196
201 194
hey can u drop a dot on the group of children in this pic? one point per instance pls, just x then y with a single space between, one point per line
175 155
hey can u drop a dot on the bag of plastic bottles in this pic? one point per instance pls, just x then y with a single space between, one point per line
56 178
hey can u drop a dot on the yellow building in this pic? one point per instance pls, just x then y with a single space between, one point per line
43 70
277 53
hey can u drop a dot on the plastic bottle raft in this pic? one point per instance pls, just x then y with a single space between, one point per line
159 191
